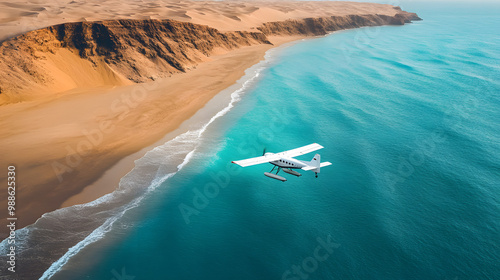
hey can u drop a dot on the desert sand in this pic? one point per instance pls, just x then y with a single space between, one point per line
18 17
63 136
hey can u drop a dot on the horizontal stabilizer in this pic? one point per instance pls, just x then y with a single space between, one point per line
323 164
326 163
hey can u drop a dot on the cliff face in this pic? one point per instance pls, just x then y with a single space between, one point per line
135 50
169 46
118 52
321 26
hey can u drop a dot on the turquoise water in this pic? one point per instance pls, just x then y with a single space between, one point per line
409 118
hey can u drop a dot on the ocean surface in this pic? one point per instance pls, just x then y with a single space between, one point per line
408 115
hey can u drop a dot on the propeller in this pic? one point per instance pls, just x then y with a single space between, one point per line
264 151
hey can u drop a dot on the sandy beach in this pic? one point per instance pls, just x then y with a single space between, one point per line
80 144
65 130
224 66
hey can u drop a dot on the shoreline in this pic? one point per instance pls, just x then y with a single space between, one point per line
109 181
92 128
221 102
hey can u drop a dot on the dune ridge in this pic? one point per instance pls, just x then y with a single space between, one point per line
17 17
120 52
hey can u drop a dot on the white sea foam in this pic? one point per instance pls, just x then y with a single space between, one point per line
156 167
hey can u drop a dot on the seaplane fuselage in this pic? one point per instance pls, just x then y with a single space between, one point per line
287 162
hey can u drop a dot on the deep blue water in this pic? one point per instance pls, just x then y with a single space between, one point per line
409 118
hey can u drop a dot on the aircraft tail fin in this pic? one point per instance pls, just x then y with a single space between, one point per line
315 161
315 164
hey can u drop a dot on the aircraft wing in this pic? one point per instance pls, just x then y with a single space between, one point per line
257 160
290 153
302 150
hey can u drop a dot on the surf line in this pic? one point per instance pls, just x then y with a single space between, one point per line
102 230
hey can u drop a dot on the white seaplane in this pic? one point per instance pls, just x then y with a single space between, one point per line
285 160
